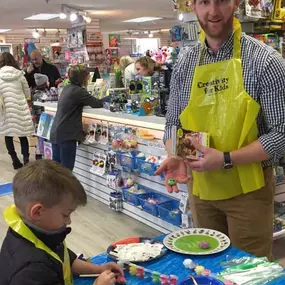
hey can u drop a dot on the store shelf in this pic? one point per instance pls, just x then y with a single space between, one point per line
279 235
148 122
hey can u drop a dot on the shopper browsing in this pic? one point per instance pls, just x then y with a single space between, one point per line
34 250
67 127
127 67
15 116
39 65
233 87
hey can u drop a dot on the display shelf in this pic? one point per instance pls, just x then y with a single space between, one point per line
279 235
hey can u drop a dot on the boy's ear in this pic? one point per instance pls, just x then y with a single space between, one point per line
35 212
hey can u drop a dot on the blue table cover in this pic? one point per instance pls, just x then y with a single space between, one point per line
172 264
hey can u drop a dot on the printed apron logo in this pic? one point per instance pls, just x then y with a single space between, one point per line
214 86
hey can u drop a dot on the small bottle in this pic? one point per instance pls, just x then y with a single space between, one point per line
129 107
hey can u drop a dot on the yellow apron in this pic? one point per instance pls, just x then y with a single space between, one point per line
220 106
14 221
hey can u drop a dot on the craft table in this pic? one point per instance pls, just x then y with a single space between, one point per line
172 263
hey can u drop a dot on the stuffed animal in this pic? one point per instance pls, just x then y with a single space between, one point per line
169 55
158 56
152 54
164 53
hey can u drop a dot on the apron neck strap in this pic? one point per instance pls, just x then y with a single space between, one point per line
236 39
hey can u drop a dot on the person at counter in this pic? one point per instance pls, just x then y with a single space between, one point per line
232 87
39 65
67 127
127 67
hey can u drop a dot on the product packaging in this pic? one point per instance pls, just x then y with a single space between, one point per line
182 144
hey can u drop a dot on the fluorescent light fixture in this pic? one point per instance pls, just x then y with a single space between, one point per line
62 16
73 17
2 31
42 17
180 17
142 19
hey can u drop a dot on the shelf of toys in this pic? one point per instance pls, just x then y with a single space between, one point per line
116 165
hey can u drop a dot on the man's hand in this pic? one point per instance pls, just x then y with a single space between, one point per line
212 159
114 267
174 167
30 69
106 278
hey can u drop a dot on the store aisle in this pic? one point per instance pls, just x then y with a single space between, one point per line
95 226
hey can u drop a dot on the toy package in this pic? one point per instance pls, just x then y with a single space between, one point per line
99 164
182 144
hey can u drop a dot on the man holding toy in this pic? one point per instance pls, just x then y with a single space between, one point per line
232 87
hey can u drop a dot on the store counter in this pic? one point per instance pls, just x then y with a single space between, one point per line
95 185
172 264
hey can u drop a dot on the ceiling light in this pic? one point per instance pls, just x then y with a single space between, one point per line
142 19
42 17
36 34
180 17
73 17
150 35
62 16
146 32
4 31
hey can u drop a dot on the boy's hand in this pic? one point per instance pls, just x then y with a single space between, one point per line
106 278
114 267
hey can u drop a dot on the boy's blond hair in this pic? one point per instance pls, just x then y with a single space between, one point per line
46 182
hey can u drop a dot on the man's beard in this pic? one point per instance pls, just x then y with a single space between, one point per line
224 32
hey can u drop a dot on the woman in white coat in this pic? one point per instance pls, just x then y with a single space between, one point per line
15 116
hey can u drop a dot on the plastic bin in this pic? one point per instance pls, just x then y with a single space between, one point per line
149 207
146 167
165 212
127 160
132 197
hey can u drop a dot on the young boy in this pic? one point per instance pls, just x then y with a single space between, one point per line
34 250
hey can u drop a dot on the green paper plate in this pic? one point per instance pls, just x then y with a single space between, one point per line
187 241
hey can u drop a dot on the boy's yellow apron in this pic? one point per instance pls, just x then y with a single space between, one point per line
14 221
220 106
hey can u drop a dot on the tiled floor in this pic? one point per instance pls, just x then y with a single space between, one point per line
95 226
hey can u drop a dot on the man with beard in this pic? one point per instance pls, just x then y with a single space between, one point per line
232 87
39 65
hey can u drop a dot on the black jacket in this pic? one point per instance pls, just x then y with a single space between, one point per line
48 69
21 263
67 124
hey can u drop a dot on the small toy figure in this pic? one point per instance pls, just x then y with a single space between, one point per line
204 245
156 277
171 182
121 280
189 263
199 269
